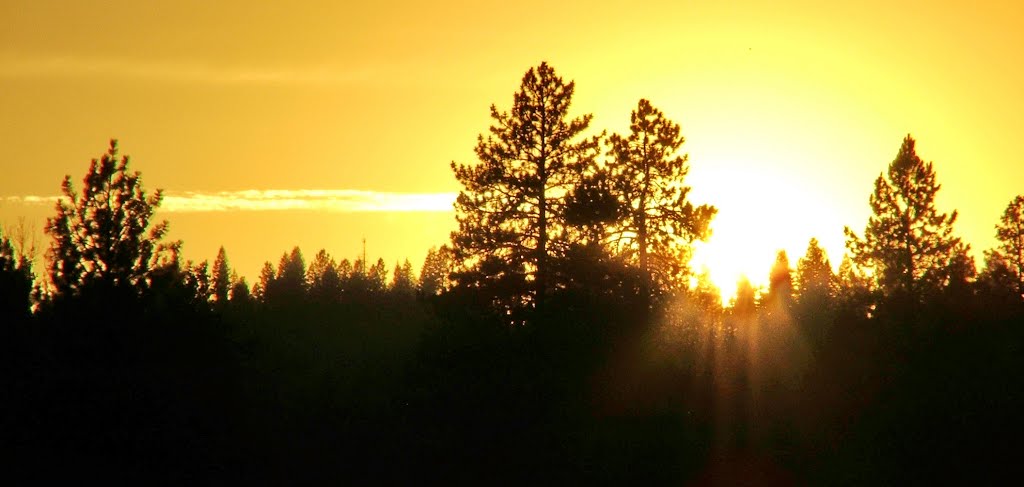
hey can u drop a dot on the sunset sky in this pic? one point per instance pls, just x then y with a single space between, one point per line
275 124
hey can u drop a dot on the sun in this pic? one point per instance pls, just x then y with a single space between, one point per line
735 251
759 214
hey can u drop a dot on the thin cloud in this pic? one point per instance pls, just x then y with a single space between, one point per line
330 200
29 200
175 72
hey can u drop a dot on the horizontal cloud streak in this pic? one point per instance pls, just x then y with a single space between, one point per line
331 200
171 71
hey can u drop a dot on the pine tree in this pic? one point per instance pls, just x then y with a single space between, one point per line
197 282
102 237
742 320
403 282
355 283
780 284
266 282
323 279
511 209
289 285
854 290
220 284
707 294
817 289
377 277
908 244
656 221
435 271
345 269
814 277
1010 234
239 290
16 278
744 303
998 280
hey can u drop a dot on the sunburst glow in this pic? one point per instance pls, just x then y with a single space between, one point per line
764 213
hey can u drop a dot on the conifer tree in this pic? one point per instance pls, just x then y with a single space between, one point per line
16 278
1010 234
239 290
854 289
377 276
814 276
817 289
220 280
511 209
744 303
355 282
707 294
907 244
323 279
403 281
780 283
289 285
197 282
345 269
259 290
102 236
436 268
656 222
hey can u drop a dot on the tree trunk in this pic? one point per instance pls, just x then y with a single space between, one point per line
542 225
641 237
641 240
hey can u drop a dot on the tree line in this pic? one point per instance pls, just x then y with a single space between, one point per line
559 335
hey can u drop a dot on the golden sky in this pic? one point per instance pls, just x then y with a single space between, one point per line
303 115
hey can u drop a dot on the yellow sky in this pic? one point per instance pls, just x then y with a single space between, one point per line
790 109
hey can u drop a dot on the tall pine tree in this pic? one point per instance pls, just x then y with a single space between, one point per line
511 209
907 244
814 277
220 283
817 289
656 222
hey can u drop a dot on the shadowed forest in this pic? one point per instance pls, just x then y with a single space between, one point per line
559 337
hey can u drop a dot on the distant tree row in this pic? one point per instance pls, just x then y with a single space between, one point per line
322 281
105 245
327 281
